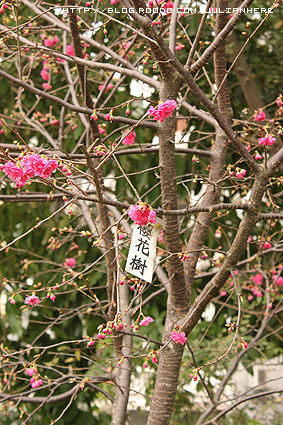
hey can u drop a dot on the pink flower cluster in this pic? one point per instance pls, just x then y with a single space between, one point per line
70 50
32 299
279 281
163 110
179 47
129 139
29 166
110 86
260 116
50 42
240 173
4 6
141 213
265 245
267 140
45 75
146 321
258 279
179 337
35 382
279 100
70 262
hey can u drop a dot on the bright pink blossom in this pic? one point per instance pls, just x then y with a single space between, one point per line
50 42
258 279
30 371
279 281
129 139
223 293
146 321
279 100
70 262
44 74
15 172
110 86
142 214
260 116
267 140
70 50
240 173
163 110
101 336
250 298
12 301
46 86
35 165
32 299
108 117
180 338
257 293
35 382
258 156
265 245
179 47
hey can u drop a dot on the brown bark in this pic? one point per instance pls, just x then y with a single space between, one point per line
245 79
122 344
178 301
217 162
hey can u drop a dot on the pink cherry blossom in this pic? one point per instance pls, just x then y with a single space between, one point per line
70 50
101 336
163 110
257 293
15 172
50 42
35 165
30 371
180 338
35 382
279 281
265 245
279 100
110 86
250 298
154 359
141 214
129 139
146 321
223 293
108 117
260 116
44 74
46 86
267 140
258 279
179 47
70 262
32 299
12 301
258 156
240 173
52 297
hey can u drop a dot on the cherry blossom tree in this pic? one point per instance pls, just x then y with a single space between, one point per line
118 119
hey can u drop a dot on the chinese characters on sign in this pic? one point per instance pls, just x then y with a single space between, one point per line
142 253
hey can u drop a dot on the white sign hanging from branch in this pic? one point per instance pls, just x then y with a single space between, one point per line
142 253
